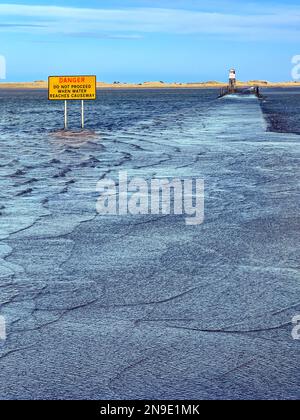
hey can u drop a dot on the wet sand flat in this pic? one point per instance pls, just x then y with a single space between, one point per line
126 307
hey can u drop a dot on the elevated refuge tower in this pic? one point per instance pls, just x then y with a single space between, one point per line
232 81
232 88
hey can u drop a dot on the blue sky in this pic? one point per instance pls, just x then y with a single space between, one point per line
135 41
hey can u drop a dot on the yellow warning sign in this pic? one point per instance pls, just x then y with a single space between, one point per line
72 88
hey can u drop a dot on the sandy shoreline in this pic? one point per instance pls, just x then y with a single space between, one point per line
154 85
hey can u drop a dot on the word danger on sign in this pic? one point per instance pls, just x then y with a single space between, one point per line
68 88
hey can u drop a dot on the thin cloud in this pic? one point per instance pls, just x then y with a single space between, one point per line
95 35
263 23
21 25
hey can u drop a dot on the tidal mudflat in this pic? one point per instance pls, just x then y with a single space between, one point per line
146 307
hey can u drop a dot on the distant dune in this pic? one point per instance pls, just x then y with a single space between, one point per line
40 84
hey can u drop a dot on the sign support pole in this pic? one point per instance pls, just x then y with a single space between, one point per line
82 114
66 115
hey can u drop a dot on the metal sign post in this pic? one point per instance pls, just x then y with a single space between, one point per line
82 115
66 115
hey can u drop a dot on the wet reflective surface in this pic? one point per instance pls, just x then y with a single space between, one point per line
144 306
